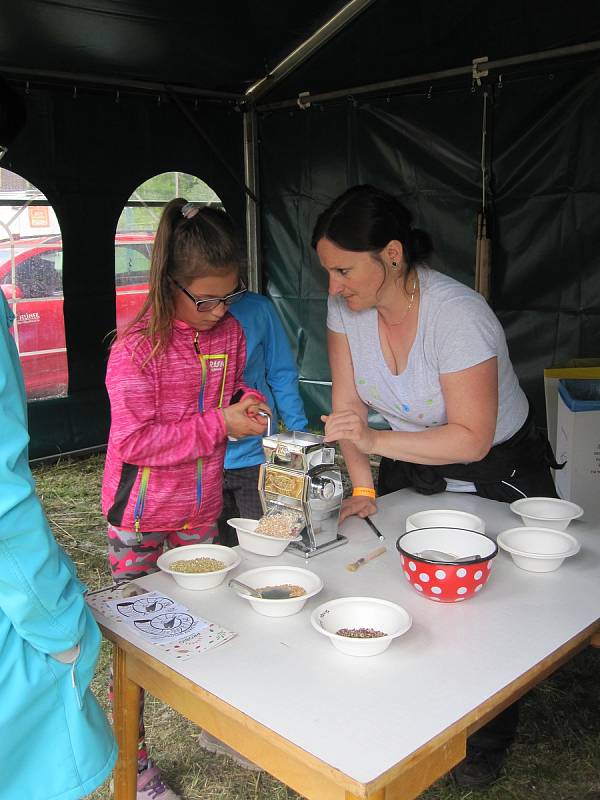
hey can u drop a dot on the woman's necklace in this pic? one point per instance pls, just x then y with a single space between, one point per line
411 300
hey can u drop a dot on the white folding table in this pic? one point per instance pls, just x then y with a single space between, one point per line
334 727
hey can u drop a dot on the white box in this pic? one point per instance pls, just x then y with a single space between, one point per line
576 369
578 443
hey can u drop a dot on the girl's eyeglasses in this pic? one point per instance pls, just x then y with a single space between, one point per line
212 302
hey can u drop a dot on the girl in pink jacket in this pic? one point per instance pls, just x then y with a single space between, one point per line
173 380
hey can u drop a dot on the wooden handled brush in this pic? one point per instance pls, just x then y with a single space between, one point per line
356 564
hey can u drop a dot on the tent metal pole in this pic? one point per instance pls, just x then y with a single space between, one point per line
305 99
251 181
305 50
77 78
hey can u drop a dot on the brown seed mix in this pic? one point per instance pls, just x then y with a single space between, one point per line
197 565
292 588
360 633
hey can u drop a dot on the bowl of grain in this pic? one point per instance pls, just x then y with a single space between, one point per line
268 536
301 583
199 566
361 626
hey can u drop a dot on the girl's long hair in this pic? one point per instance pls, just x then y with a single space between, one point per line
185 248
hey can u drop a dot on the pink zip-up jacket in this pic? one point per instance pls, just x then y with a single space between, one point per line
164 465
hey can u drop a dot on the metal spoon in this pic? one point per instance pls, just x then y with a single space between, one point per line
439 555
267 594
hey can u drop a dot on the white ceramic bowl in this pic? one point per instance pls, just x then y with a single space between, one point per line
538 549
546 512
199 580
445 518
361 612
276 576
258 543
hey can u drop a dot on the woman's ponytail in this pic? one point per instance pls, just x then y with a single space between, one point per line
419 246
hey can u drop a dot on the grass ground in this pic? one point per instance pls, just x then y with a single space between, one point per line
556 756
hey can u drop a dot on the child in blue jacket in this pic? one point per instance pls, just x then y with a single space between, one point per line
271 369
56 742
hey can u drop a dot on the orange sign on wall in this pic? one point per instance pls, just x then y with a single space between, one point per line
38 216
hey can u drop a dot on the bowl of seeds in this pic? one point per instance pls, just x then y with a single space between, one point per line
300 584
267 536
361 626
199 566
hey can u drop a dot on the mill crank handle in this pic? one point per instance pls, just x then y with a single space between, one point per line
268 416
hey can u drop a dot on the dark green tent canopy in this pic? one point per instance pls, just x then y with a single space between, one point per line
294 102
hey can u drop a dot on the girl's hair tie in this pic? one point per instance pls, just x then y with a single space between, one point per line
188 211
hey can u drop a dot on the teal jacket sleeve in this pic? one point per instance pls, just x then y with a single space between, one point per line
282 374
39 591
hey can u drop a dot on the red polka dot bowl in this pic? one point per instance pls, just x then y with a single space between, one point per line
446 580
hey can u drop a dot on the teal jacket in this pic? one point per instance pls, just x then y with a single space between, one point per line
270 368
55 743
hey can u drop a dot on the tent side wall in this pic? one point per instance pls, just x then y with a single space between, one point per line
426 147
88 151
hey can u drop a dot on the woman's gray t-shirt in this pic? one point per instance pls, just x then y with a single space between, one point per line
456 330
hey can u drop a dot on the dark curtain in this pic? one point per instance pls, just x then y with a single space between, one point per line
544 194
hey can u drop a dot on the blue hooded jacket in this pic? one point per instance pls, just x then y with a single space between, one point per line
271 369
56 741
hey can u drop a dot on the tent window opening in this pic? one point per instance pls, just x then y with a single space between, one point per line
31 260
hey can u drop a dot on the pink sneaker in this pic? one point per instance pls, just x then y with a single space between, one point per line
150 786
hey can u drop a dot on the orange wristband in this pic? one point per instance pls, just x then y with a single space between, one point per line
363 491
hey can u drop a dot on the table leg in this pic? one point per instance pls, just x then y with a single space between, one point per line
126 721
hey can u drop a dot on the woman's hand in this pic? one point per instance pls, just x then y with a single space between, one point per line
350 426
244 418
357 506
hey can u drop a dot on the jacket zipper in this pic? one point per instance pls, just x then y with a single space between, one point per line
139 505
204 376
200 409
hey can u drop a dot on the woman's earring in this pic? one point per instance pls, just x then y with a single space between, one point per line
394 265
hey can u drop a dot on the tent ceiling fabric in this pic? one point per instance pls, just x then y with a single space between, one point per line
393 40
224 46
229 45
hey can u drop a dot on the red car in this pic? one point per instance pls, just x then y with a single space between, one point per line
31 279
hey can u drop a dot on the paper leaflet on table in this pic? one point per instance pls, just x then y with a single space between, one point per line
161 620
157 617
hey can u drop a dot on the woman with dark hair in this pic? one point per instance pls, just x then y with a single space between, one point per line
430 356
